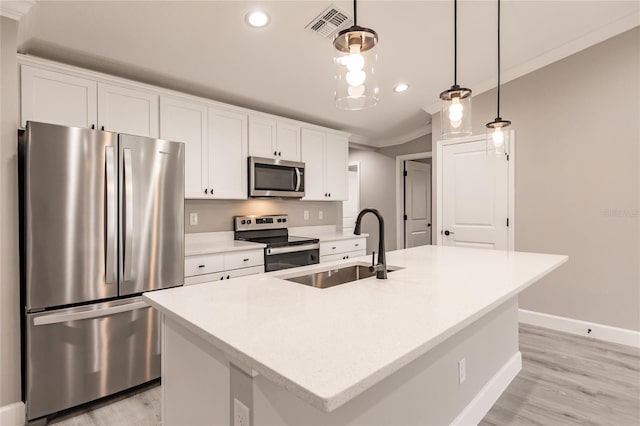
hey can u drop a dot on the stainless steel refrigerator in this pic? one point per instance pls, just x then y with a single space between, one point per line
102 220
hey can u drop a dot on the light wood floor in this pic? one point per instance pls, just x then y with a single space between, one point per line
565 380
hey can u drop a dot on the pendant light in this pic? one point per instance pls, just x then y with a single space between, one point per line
455 116
497 138
355 58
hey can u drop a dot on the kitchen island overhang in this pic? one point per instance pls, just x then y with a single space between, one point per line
354 353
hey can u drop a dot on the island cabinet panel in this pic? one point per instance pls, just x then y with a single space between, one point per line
185 121
272 138
227 154
326 162
57 98
128 110
222 266
342 250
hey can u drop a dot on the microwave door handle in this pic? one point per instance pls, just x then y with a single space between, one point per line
298 179
128 215
110 217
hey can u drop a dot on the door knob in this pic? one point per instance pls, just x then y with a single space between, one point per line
447 232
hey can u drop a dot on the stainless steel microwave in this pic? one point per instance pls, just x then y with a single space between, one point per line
275 178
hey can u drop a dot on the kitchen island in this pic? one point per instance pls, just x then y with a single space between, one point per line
436 343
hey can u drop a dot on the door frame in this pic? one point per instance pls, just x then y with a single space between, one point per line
511 185
400 159
355 164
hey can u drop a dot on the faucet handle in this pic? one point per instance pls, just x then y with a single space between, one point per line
372 268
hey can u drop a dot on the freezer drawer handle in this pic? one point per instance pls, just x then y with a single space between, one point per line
128 215
75 316
110 217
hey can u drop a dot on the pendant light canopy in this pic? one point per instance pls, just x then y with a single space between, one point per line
455 116
355 59
497 138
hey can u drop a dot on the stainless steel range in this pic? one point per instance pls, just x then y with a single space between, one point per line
283 251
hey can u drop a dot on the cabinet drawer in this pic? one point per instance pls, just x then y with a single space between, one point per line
342 256
244 272
206 264
199 279
343 246
243 259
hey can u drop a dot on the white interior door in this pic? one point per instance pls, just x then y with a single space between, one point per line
351 206
417 206
475 203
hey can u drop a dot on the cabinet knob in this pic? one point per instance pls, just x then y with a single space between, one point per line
205 191
245 260
93 127
102 128
228 276
275 153
279 154
222 277
329 195
211 191
200 266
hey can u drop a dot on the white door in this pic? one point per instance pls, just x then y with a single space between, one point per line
312 150
52 97
474 196
227 154
262 137
288 142
351 206
336 165
129 111
417 208
185 121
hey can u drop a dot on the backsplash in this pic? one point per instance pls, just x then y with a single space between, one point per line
217 215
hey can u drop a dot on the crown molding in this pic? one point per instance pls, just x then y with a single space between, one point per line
15 9
590 39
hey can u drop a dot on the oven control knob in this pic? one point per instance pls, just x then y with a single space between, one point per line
243 221
249 221
284 220
279 220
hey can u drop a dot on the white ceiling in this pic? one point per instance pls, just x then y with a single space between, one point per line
205 48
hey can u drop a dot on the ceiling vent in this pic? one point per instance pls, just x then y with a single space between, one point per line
329 22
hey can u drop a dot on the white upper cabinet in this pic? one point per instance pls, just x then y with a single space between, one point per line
52 97
185 121
125 110
325 158
271 138
227 154
336 166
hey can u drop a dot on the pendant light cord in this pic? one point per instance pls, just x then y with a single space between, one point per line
498 58
355 14
455 42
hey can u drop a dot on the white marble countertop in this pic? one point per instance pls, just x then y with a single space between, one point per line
325 233
212 247
329 345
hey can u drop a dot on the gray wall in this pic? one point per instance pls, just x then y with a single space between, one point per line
577 178
421 144
9 270
218 215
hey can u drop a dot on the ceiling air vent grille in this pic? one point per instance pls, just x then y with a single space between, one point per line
329 22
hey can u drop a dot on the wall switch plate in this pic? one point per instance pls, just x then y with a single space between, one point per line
306 215
462 370
320 215
241 416
193 218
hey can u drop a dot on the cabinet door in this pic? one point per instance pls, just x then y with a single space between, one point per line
288 142
125 110
184 121
56 98
312 153
336 167
227 154
262 137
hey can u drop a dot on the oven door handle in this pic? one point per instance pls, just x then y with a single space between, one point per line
292 249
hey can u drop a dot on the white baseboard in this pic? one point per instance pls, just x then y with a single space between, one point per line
12 414
475 411
607 333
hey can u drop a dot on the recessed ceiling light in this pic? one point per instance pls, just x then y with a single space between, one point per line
257 18
401 87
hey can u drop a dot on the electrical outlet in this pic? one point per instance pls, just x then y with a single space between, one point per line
193 218
240 413
306 215
320 215
462 370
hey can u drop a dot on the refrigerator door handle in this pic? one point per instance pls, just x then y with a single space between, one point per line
128 215
56 318
110 217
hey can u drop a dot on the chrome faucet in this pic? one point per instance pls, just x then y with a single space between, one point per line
381 267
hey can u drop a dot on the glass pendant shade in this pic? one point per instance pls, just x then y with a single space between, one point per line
455 115
498 136
355 60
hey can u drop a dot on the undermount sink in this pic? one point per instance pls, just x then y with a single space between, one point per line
334 276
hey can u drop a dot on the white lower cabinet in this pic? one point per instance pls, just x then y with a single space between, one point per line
222 266
342 249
